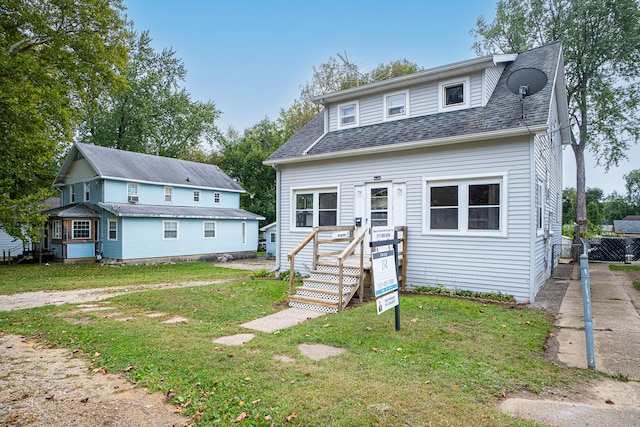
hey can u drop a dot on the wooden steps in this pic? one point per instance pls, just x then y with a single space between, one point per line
320 291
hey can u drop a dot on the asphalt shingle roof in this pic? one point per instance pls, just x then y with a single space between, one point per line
127 165
502 112
80 210
168 211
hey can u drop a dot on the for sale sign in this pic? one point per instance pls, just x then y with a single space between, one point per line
385 278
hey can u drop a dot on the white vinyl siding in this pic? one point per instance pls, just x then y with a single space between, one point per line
489 263
491 78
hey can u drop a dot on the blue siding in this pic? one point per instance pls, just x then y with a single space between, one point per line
271 246
57 250
143 238
81 250
110 248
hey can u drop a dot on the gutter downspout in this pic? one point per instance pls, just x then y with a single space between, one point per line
276 269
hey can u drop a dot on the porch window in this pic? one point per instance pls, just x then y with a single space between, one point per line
209 229
81 229
466 206
315 208
56 229
113 229
168 194
169 230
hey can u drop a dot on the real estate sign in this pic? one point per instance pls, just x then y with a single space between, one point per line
385 278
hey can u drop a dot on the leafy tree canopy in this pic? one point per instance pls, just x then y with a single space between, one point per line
152 115
56 56
601 42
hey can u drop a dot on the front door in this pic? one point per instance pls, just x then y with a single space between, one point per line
380 204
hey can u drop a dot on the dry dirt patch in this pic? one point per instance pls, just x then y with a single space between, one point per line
40 386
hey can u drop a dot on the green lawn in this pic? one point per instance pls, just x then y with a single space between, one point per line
448 365
37 277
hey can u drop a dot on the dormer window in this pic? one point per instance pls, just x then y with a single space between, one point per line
348 115
396 106
454 94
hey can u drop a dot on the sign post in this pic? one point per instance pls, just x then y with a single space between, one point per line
385 270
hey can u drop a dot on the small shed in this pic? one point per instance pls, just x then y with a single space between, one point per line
270 239
627 227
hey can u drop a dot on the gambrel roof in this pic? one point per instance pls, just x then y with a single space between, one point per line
110 163
500 117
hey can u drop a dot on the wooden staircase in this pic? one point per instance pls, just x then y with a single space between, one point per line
335 276
321 290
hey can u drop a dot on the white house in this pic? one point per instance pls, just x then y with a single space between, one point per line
467 156
134 208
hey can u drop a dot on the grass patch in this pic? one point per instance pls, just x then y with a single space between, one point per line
619 267
636 285
36 277
451 360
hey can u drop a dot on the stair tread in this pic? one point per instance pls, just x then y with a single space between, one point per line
313 300
320 290
329 282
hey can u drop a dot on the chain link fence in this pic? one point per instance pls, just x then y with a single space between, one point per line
617 249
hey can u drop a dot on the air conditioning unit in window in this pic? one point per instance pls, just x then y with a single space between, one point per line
133 199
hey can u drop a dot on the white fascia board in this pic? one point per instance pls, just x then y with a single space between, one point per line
414 144
171 184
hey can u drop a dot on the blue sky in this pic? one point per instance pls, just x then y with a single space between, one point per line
250 57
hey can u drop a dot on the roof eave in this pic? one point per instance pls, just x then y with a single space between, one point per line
443 72
483 136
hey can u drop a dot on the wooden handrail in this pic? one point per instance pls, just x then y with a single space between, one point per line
359 240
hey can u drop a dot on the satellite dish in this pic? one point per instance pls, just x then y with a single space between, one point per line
526 81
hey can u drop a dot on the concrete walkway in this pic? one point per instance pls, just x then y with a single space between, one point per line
617 352
616 325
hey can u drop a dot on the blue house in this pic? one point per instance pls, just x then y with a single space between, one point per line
270 239
139 208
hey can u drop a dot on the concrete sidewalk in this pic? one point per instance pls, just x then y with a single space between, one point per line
616 325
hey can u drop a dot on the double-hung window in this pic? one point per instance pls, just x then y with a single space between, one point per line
72 193
315 208
396 106
196 195
132 192
216 198
168 194
347 115
466 206
81 229
113 229
169 230
87 191
539 205
209 229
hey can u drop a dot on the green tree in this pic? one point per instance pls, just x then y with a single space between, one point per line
633 187
242 157
616 206
594 215
152 115
56 57
601 42
568 205
333 76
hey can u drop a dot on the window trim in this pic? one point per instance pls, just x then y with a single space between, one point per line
168 194
164 230
407 109
466 88
463 203
112 221
73 229
356 114
315 191
136 186
539 207
204 230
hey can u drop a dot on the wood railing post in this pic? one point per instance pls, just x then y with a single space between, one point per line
340 279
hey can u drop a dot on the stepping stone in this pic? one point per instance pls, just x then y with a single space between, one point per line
283 358
282 319
111 315
238 339
177 319
124 319
154 315
319 351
